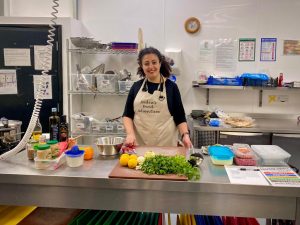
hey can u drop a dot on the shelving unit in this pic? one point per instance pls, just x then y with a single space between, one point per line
225 87
94 95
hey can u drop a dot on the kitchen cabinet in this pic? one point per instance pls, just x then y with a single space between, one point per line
96 93
291 144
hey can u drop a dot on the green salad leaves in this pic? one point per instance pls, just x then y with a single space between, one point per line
160 165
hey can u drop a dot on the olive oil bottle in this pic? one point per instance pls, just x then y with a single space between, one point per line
54 125
63 129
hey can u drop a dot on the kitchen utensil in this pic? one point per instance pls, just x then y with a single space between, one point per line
109 145
140 39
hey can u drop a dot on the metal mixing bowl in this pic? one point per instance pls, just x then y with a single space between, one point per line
109 145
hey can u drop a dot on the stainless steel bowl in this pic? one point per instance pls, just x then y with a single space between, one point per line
109 145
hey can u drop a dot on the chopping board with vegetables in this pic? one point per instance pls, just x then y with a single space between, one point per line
120 171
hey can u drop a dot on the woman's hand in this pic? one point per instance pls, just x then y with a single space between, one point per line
187 141
130 140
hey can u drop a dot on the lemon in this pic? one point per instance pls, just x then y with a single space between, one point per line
124 155
124 160
132 163
133 156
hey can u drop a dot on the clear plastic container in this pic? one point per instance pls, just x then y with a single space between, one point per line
81 122
124 86
83 82
271 154
106 83
243 151
49 164
220 155
43 152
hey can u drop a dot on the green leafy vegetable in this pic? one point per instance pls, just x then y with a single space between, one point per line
161 165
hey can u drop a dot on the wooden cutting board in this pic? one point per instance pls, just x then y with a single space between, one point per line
124 172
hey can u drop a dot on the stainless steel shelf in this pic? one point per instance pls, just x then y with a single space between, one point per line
244 87
226 87
96 93
103 51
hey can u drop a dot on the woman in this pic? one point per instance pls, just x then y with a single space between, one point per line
154 112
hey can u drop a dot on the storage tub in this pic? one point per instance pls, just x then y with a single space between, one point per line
83 82
227 81
49 164
271 154
124 86
220 155
106 83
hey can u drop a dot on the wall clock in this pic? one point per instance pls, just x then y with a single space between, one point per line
192 25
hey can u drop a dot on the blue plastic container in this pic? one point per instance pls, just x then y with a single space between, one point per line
254 79
221 155
227 81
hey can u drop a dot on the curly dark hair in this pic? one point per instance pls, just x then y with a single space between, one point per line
165 68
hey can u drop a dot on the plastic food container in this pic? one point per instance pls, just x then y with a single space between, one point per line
83 82
244 155
271 154
106 83
43 151
124 86
49 164
74 157
220 155
243 151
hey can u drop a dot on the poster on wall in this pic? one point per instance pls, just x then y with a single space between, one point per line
8 82
206 59
268 49
17 57
41 53
247 49
225 54
47 92
291 47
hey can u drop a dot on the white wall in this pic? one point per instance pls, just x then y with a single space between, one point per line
162 22
163 26
39 8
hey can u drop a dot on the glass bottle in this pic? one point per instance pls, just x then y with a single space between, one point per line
54 125
37 131
63 129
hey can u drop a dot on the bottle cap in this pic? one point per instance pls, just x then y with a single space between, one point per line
43 147
52 142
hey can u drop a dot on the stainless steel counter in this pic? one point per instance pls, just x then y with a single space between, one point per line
90 187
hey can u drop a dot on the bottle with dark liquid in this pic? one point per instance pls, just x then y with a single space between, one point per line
63 128
54 125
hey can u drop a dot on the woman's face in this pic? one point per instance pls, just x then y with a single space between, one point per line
151 66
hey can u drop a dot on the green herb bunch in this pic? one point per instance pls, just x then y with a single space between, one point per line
161 165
